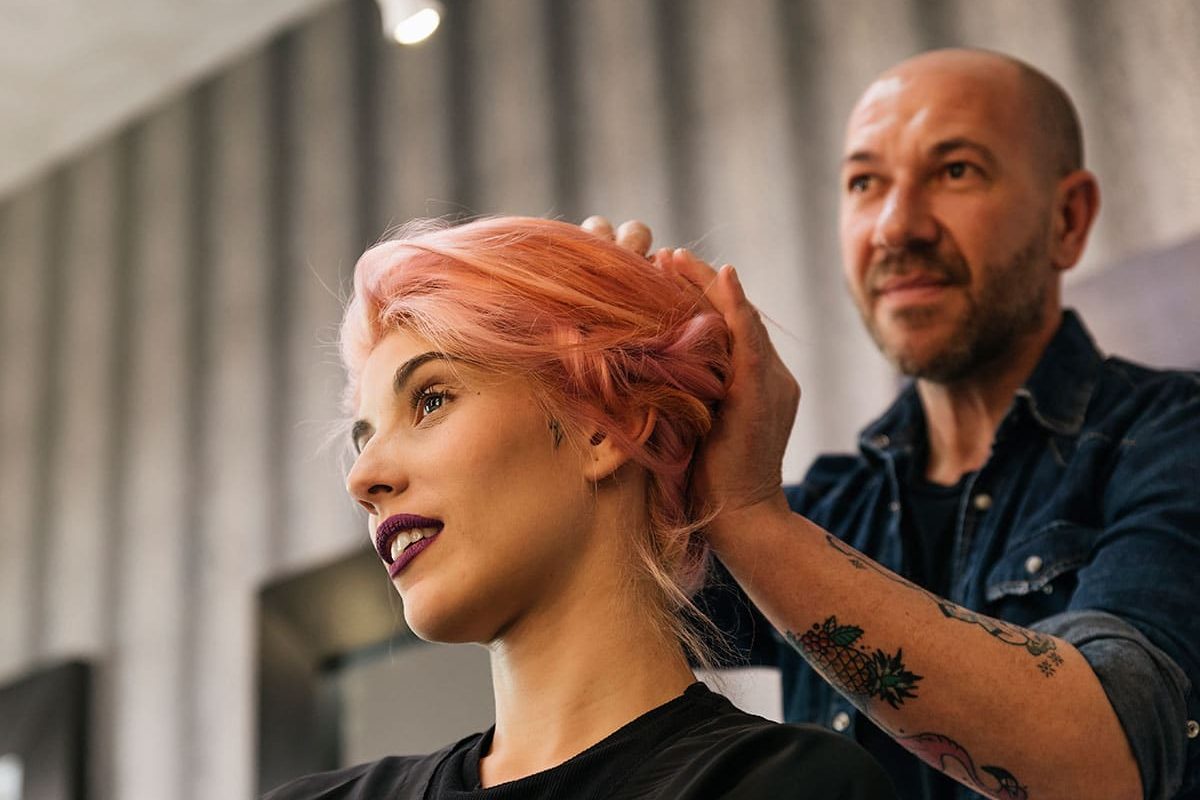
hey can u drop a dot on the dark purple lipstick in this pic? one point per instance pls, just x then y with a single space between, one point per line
410 552
395 525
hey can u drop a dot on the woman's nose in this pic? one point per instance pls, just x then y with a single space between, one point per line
374 478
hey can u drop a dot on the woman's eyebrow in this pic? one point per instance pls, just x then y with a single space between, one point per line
403 374
405 371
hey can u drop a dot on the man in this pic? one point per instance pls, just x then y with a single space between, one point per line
1007 593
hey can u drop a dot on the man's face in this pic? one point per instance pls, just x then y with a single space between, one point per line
945 219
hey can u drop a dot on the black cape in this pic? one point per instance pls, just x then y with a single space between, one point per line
695 747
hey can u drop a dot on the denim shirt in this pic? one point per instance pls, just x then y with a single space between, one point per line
1084 523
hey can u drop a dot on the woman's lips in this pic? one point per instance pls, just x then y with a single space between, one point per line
408 530
409 553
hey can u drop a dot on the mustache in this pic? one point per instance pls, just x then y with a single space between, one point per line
951 269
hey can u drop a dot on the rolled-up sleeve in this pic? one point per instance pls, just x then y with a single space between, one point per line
1147 689
1133 615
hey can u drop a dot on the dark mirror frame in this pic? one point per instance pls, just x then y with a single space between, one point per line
309 626
44 721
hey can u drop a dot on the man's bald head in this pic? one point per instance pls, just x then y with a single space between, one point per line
1049 113
1053 115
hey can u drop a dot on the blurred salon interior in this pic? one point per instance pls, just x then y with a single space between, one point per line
189 605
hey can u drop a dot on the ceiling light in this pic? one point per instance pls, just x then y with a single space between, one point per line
410 21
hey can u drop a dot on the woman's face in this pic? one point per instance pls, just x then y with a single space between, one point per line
468 462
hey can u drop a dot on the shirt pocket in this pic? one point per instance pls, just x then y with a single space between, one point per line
1038 574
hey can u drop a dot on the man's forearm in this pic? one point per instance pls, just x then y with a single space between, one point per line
1007 711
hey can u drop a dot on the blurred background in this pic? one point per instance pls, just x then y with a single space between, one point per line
184 189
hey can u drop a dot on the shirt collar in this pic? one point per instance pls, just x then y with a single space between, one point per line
1057 393
1059 390
899 428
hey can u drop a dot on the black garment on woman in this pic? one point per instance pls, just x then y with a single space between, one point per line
695 747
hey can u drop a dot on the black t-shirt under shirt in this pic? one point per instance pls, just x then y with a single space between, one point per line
695 747
932 513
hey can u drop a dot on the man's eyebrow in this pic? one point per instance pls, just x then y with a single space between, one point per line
405 371
859 157
948 146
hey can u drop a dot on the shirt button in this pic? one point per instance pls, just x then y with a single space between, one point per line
1033 564
841 721
881 441
982 501
1193 729
894 506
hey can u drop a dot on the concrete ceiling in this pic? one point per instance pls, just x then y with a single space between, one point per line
72 71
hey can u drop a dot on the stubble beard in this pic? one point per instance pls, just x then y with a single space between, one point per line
1008 303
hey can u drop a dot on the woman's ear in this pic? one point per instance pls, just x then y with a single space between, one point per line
605 456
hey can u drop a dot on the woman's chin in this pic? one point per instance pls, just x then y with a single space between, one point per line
446 627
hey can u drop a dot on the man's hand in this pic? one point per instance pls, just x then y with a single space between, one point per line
740 464
632 235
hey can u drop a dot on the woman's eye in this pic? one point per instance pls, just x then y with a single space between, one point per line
427 400
359 435
859 183
432 402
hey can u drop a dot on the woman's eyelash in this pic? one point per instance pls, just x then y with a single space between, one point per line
424 393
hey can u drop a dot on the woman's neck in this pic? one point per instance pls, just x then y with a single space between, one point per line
564 683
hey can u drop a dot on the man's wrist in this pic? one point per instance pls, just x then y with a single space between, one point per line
734 525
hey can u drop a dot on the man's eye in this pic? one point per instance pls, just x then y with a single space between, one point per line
859 183
957 169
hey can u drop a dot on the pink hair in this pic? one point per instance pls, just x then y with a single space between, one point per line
600 332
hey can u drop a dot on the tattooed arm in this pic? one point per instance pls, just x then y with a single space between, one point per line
1009 712
1006 711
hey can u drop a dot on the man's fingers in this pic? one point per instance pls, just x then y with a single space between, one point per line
666 260
662 260
599 226
730 300
739 292
634 235
692 268
744 321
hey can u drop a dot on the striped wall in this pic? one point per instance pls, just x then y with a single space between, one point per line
168 299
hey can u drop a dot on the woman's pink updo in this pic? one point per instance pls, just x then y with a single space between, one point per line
599 331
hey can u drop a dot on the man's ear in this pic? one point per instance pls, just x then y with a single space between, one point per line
605 456
1076 204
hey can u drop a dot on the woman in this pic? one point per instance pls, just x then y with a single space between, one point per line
527 399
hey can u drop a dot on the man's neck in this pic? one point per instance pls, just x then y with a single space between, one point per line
961 417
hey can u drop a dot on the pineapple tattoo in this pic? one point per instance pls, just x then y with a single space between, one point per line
831 648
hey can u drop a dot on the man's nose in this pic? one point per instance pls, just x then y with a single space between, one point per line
905 219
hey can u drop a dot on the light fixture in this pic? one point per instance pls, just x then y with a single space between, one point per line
410 21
